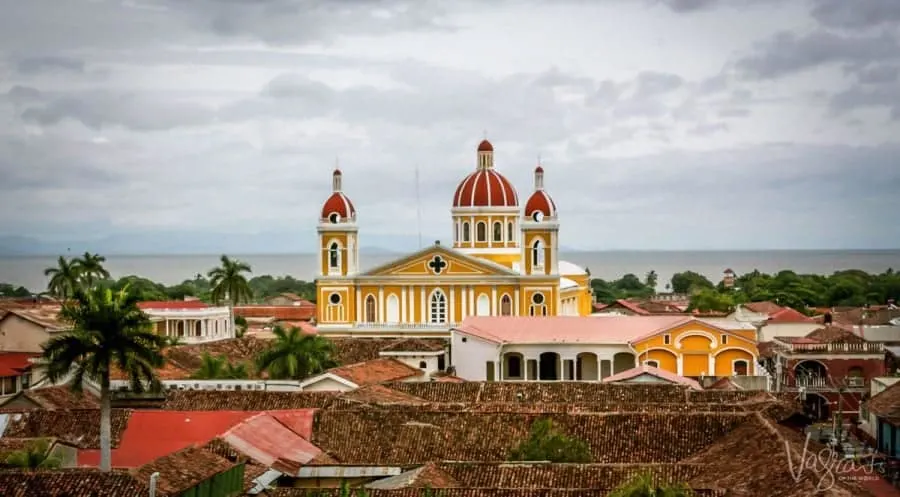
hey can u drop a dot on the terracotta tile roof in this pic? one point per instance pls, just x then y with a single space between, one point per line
413 437
569 329
874 316
376 371
543 392
354 350
77 427
886 404
70 483
215 400
447 378
252 469
558 408
777 313
183 469
835 334
415 345
44 316
16 363
446 492
378 394
161 305
724 384
649 370
276 441
278 312
62 397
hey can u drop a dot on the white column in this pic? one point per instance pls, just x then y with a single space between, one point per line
167 327
464 300
380 304
490 231
473 231
679 365
424 303
358 306
412 304
494 301
203 330
403 318
472 307
711 370
451 312
516 302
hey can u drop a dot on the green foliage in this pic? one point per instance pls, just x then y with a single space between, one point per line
241 325
35 455
544 443
7 290
643 485
690 282
628 286
229 283
295 355
711 300
219 368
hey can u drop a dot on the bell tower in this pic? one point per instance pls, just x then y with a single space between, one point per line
338 233
540 231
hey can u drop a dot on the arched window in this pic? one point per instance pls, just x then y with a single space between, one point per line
537 254
422 365
480 232
466 235
741 367
498 232
652 364
334 256
505 306
334 310
483 305
371 314
513 366
438 308
538 305
393 309
509 232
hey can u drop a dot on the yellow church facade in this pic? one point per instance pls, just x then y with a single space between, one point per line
503 261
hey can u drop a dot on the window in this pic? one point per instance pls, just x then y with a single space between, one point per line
334 311
466 234
538 216
480 232
505 306
667 339
442 363
724 339
513 366
538 305
498 232
334 256
537 254
334 298
438 308
371 314
740 367
483 305
422 365
509 232
652 364
334 218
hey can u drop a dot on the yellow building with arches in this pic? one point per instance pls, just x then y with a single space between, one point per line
504 261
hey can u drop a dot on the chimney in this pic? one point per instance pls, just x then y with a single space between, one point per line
153 479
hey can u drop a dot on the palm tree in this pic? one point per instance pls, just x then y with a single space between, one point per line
108 332
643 485
295 355
90 266
35 455
64 278
211 367
229 283
235 371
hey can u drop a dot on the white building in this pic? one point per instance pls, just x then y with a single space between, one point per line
191 321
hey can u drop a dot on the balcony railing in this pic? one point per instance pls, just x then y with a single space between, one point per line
833 348
822 383
404 326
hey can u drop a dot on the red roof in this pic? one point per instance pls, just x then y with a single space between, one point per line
650 370
15 363
278 312
485 146
541 202
153 434
485 188
788 315
172 304
339 204
276 439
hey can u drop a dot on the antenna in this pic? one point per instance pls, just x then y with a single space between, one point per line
418 208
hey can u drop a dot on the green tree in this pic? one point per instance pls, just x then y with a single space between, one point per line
7 290
90 267
689 281
108 332
711 300
544 443
64 278
35 455
218 368
643 485
295 355
229 283
651 279
241 325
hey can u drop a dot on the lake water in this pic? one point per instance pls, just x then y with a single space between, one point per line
171 269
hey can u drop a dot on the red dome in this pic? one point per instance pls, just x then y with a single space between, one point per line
541 202
339 204
485 188
485 146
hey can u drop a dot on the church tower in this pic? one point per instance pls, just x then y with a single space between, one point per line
540 231
338 233
486 213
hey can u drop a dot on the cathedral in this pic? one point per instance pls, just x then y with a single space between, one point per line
504 261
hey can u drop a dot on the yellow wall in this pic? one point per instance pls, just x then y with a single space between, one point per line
696 349
327 239
529 239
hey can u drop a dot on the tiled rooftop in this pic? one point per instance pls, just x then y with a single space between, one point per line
46 316
543 392
354 350
886 404
212 400
62 397
463 492
405 437
78 427
184 469
378 394
70 483
379 370
415 345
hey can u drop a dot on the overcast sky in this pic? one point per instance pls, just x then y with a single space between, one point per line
662 124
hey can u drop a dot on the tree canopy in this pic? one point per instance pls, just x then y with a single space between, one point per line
545 443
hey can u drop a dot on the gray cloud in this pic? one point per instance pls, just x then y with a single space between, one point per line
787 53
856 14
34 65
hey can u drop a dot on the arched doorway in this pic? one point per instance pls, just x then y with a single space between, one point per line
810 374
513 366
816 407
623 361
548 366
586 368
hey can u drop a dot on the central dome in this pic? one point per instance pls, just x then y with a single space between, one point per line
485 187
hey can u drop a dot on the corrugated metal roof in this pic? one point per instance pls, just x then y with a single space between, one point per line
269 440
